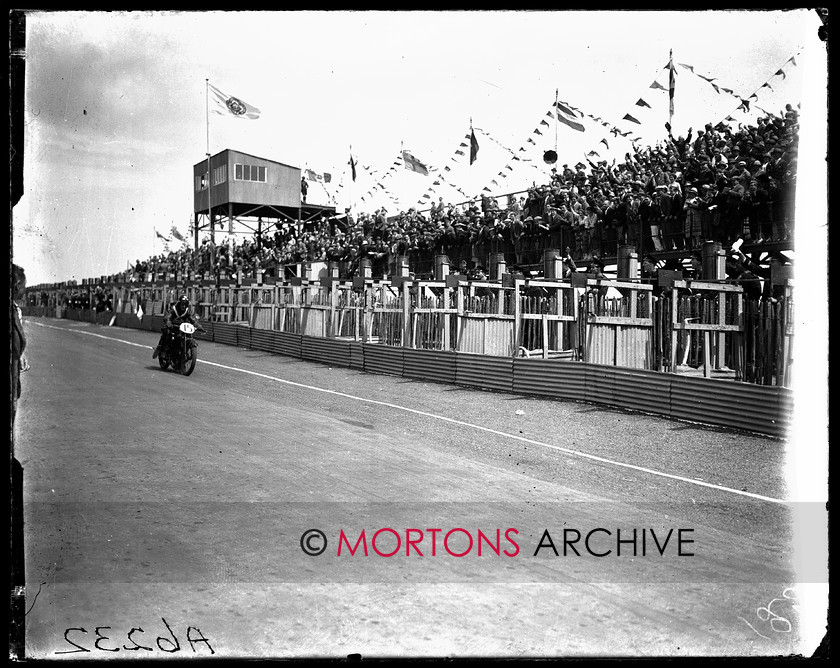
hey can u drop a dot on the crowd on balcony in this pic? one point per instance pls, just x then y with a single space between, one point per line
720 183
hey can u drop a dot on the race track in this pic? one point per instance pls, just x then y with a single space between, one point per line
175 506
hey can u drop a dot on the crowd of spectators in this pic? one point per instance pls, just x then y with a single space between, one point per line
718 184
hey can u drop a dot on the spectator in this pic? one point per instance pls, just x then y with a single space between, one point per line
745 178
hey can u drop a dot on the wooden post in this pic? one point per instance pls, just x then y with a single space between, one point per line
544 325
460 318
407 338
368 314
332 331
674 321
517 316
447 318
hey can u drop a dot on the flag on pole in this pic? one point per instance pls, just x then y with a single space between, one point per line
227 104
473 147
160 236
311 175
413 164
568 117
177 234
352 167
672 74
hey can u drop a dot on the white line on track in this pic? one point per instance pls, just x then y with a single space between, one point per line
568 451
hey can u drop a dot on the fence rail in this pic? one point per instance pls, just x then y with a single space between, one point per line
691 328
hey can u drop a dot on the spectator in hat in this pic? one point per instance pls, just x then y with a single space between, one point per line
693 222
741 275
648 268
587 230
673 221
649 216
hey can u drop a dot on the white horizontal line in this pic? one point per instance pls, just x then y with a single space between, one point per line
568 451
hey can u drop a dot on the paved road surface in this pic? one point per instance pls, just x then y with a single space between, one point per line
175 506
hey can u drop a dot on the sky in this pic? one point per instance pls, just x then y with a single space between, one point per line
116 105
116 117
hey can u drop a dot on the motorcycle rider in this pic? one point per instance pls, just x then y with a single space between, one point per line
179 312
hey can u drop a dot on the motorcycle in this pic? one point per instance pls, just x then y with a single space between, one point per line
181 349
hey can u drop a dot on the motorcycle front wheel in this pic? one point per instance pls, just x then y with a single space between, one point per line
189 358
163 360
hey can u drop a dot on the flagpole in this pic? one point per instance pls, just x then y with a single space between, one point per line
671 86
209 181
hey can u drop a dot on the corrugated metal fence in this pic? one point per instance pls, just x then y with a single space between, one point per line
762 409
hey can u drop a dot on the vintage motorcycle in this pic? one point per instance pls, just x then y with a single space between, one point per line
181 349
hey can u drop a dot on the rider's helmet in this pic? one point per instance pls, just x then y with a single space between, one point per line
183 300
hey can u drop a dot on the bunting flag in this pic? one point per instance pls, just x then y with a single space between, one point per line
628 117
641 103
412 164
537 131
544 122
494 140
567 116
672 74
176 234
595 153
604 142
658 86
473 147
224 104
744 103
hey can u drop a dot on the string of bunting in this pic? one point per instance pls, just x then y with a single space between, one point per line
377 185
641 104
447 168
745 102
565 118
